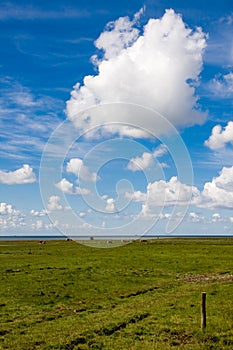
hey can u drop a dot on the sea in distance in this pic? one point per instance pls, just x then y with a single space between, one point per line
77 238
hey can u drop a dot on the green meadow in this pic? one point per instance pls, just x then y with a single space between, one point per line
143 295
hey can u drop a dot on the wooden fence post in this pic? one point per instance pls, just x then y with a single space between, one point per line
203 310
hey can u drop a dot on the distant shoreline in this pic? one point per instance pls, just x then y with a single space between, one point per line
133 238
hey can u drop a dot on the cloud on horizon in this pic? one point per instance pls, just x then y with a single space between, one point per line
217 193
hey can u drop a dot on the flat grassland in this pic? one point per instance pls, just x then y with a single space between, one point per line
143 295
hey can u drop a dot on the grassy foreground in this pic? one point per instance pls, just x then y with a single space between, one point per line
144 295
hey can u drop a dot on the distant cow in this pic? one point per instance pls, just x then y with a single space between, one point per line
69 239
42 242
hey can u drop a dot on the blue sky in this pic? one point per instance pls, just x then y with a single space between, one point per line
116 117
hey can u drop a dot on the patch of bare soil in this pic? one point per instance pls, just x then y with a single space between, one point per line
207 277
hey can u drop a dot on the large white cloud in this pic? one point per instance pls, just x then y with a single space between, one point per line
220 136
218 193
151 69
23 175
167 193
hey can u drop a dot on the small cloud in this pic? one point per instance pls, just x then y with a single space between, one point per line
77 167
38 213
20 176
226 19
222 85
163 165
110 207
147 159
160 151
38 225
86 225
6 209
82 191
54 203
216 217
65 186
194 217
136 196
220 136
140 163
10 217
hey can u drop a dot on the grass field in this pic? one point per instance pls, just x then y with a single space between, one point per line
144 295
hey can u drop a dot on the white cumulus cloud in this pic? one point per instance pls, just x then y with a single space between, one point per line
119 35
147 159
219 192
54 203
34 212
194 217
216 217
152 69
67 187
167 193
141 163
223 85
6 209
220 136
172 192
38 225
77 167
10 217
110 207
23 175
